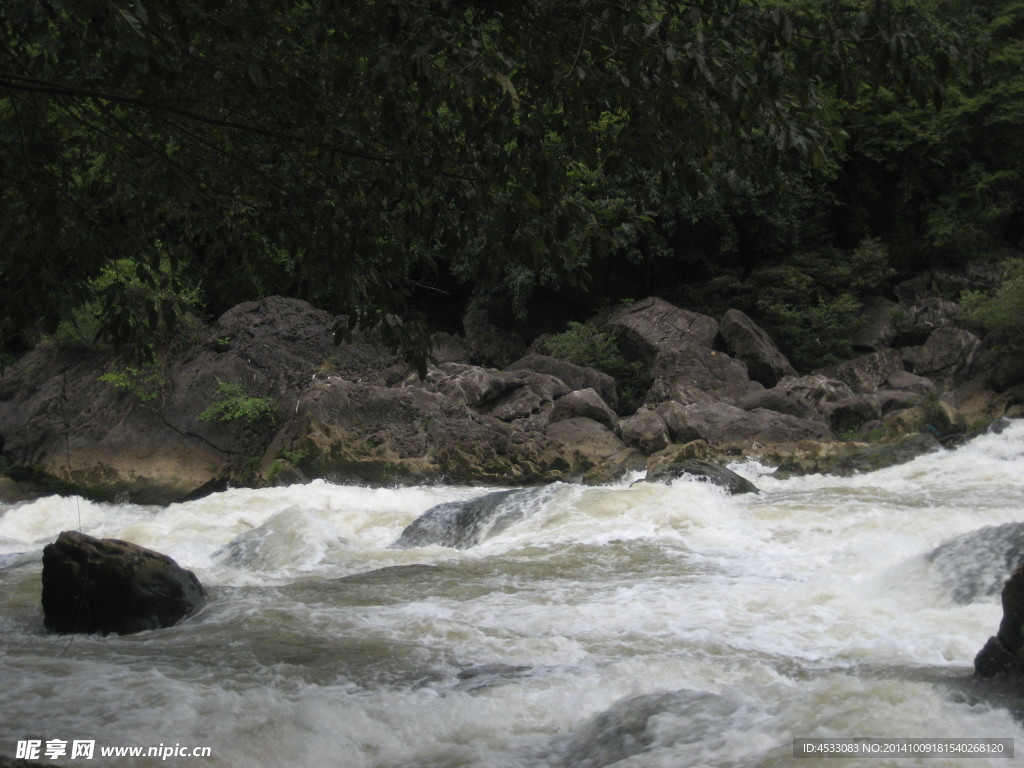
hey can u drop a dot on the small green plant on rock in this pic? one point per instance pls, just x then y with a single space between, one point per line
145 382
234 404
589 346
1003 311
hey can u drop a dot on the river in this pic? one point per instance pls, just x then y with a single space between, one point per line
633 625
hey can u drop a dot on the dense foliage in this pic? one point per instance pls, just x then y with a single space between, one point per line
589 346
378 156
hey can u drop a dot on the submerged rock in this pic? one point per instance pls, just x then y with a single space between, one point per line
112 586
463 524
637 725
708 471
975 565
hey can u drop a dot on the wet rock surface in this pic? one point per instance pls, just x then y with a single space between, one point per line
1003 654
109 586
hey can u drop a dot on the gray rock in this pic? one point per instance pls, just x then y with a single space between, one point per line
721 425
463 524
633 727
110 586
675 417
805 397
779 399
854 412
910 382
573 376
594 448
645 431
713 373
890 400
748 342
652 326
917 322
446 348
911 291
868 372
947 354
384 435
506 395
157 450
876 330
846 458
997 364
663 391
586 403
975 565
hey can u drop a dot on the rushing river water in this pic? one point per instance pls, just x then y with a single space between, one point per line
631 625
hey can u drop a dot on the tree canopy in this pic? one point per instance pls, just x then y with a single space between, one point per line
362 154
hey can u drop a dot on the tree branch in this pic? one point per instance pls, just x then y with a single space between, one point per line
47 87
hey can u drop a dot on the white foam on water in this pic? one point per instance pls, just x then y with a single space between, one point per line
807 610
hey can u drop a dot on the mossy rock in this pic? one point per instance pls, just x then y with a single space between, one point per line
844 459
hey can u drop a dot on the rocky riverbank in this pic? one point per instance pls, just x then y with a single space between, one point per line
264 396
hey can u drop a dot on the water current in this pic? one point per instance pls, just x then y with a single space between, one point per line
635 625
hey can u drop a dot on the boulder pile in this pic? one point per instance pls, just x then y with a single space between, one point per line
290 405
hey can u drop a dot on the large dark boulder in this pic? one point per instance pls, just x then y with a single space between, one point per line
997 362
906 381
344 431
851 414
749 343
66 429
633 729
110 586
1003 654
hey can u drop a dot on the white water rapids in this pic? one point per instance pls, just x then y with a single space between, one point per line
628 626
